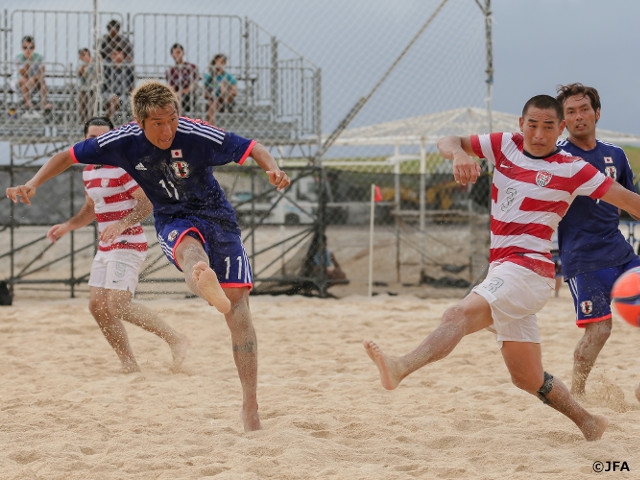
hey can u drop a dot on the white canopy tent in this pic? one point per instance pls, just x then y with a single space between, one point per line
424 131
427 129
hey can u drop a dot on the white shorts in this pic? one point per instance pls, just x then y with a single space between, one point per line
117 269
515 295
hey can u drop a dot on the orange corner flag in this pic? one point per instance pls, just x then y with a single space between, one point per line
378 194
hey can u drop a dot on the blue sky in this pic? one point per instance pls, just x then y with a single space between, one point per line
537 44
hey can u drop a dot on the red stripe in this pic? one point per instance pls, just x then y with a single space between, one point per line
73 155
112 216
543 269
175 246
120 197
508 252
475 145
583 323
602 189
512 228
236 285
533 205
140 247
247 152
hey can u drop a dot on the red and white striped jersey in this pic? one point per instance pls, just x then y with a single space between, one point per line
529 197
110 189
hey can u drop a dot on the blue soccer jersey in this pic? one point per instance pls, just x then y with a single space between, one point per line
588 235
179 180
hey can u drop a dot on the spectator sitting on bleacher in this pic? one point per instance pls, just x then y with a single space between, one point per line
118 81
183 78
87 75
113 39
30 74
220 87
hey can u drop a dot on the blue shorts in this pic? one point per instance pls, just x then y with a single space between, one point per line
227 256
591 292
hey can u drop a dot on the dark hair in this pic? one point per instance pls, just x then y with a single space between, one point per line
544 102
97 122
28 39
217 56
113 24
83 50
174 46
566 91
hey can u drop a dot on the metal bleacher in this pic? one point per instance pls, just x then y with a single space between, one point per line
278 104
278 89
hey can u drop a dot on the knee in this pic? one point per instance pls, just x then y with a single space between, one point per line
530 383
601 334
461 317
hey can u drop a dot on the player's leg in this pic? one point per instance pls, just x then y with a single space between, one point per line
586 353
26 85
199 276
473 313
524 361
592 302
121 306
112 329
245 353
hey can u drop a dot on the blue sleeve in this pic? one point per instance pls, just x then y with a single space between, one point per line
88 152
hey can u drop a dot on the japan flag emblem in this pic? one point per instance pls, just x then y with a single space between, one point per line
176 153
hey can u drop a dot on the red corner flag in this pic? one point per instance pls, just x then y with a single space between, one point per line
377 197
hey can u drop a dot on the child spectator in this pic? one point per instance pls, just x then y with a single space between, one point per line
183 78
220 87
30 72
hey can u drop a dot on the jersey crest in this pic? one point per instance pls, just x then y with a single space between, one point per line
180 169
610 171
543 178
586 307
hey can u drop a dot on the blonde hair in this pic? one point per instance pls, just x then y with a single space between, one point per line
150 96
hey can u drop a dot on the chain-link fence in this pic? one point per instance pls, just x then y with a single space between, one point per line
339 118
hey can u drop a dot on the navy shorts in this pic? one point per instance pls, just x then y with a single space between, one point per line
591 292
227 256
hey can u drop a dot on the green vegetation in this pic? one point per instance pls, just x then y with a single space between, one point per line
633 154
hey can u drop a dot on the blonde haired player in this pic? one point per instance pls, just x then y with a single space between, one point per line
172 159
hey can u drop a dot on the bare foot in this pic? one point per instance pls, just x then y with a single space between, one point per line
251 420
179 352
386 365
638 392
594 429
130 368
207 282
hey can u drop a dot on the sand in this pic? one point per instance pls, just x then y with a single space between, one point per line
68 413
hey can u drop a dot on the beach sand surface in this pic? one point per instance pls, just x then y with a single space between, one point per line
68 413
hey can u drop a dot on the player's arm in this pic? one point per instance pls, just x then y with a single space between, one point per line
84 217
264 159
138 213
459 149
54 166
622 198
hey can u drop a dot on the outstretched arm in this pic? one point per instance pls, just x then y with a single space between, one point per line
84 217
141 211
622 198
264 159
54 166
458 149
